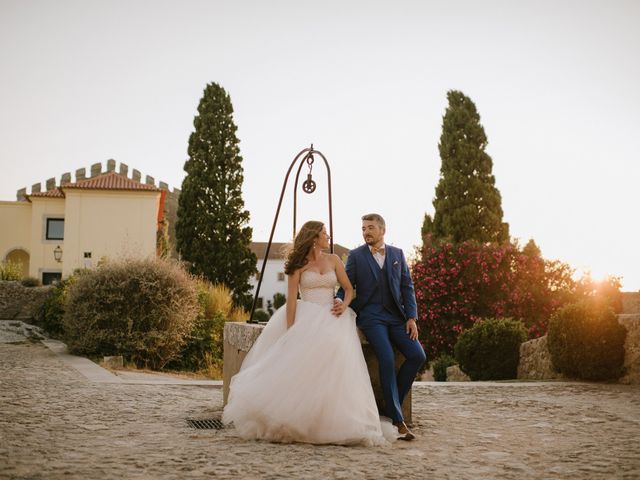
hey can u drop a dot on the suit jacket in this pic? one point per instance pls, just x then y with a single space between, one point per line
363 271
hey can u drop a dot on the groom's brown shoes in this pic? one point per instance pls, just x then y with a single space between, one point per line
405 433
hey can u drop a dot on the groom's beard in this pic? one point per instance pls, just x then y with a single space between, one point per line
371 241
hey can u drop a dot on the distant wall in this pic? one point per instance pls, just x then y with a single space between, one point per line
630 302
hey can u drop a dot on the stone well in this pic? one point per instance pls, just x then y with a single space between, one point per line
239 337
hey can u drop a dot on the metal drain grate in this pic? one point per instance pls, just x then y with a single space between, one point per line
206 424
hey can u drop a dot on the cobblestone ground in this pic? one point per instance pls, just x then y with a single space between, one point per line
54 424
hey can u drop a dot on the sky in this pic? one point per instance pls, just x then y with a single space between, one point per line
555 83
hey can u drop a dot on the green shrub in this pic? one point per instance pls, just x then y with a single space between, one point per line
141 309
203 348
279 299
11 271
52 313
30 282
440 366
586 341
261 316
490 350
203 345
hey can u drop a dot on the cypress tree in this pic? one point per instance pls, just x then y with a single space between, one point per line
467 204
212 231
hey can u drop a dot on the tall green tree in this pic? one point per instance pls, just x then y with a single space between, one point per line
467 204
212 231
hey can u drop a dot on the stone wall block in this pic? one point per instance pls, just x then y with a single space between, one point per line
630 302
35 188
21 195
124 169
454 374
136 175
96 169
65 178
150 180
18 302
535 361
111 165
631 348
163 186
51 184
81 174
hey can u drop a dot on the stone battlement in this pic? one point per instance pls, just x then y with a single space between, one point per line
95 170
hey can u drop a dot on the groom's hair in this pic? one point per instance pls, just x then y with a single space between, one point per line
374 217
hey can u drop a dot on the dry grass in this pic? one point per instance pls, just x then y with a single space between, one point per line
219 301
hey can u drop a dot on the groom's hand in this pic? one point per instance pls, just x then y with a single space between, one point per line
338 307
412 329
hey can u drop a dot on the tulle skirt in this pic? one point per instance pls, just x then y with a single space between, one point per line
307 384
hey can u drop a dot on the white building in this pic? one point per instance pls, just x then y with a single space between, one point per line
274 280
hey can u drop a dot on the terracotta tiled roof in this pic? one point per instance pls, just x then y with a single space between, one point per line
55 193
276 252
110 181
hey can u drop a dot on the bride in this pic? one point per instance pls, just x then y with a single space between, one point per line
305 378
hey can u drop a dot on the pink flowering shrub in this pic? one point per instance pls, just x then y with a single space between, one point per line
457 284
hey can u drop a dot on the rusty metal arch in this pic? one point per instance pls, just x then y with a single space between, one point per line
305 156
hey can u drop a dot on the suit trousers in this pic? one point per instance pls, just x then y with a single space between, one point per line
384 330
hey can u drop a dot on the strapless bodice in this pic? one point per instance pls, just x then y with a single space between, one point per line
318 287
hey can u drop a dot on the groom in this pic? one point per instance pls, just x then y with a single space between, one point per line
386 306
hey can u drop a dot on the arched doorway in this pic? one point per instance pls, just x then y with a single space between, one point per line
20 257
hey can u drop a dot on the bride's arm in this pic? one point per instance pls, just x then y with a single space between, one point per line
343 279
292 297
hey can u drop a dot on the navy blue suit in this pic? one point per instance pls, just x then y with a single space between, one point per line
384 300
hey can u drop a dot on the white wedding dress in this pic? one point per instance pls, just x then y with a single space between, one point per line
308 383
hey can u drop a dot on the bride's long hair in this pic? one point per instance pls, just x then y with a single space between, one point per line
302 245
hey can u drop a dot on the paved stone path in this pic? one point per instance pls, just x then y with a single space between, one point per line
55 423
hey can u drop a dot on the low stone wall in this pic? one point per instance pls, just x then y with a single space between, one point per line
240 337
535 359
630 302
18 302
631 348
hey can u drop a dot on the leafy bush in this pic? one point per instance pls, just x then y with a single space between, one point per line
203 348
261 316
440 366
52 312
279 299
141 309
586 341
30 282
490 350
458 284
606 291
10 271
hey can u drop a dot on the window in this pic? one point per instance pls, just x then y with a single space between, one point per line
281 276
50 277
55 229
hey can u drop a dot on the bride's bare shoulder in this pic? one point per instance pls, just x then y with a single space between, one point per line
334 259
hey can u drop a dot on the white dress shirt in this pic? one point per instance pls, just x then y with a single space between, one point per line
378 256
